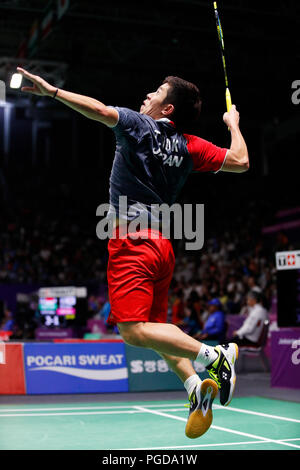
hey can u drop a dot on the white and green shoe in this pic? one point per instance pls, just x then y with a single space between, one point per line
222 371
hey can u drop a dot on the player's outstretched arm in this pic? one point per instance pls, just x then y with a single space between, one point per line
89 107
237 159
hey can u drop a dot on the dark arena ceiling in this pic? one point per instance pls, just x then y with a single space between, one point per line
120 50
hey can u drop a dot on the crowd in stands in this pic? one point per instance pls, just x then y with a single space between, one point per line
210 285
219 279
38 249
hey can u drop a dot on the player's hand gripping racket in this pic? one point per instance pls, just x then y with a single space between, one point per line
222 47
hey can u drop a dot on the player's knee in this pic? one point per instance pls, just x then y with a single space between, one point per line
132 334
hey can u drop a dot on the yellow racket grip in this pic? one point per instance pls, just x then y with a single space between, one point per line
228 100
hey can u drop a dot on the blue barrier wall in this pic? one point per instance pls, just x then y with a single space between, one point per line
75 368
94 367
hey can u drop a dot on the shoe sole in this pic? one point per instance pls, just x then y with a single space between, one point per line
233 378
200 420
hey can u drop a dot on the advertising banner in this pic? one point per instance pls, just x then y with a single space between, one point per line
49 334
75 368
147 371
12 380
288 260
285 349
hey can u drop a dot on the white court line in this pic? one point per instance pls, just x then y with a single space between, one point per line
265 439
79 413
23 412
198 445
13 410
256 413
292 439
140 409
256 437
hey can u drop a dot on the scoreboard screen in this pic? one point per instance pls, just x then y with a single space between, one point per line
288 288
56 310
60 306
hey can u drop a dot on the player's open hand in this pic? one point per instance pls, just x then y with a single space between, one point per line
40 87
232 118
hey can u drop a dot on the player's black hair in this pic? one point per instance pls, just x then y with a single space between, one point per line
185 97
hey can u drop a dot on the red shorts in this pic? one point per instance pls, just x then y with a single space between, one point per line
139 273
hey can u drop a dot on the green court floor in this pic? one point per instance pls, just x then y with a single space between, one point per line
250 423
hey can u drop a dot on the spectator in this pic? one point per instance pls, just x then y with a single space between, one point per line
178 309
249 333
252 285
214 327
105 310
193 321
7 323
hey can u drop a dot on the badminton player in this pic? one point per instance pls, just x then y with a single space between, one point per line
153 158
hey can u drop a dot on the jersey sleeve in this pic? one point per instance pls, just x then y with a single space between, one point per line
205 155
130 123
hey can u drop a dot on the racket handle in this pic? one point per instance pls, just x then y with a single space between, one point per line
228 99
228 102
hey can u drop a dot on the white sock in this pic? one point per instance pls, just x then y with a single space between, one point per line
191 382
207 355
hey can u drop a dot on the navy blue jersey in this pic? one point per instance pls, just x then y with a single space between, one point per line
152 162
